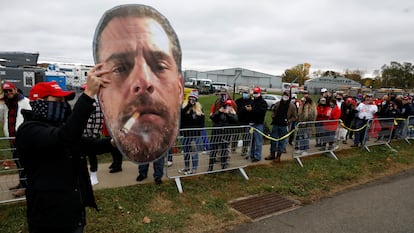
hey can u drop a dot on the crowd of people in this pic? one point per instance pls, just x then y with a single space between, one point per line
324 115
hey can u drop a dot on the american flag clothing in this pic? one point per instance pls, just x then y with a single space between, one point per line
95 122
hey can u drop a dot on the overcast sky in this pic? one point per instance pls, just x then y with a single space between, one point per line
264 35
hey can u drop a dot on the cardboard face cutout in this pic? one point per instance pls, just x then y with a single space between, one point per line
141 104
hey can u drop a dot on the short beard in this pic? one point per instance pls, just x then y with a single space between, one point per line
147 141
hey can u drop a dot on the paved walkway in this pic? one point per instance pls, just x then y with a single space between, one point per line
130 170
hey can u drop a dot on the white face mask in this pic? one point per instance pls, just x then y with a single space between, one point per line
256 95
285 98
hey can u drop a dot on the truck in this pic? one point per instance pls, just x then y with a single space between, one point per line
291 87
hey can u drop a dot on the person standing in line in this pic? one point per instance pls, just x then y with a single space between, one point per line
221 136
365 112
158 166
192 116
116 165
347 115
283 113
258 112
13 118
306 112
332 112
52 149
93 129
244 116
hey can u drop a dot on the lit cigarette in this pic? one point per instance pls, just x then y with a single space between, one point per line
130 122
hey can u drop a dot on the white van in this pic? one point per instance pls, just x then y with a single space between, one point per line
218 86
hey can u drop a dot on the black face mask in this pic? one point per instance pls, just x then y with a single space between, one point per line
51 111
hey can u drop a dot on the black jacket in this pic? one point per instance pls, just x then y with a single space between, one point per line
59 187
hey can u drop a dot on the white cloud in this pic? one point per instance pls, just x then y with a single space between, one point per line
264 35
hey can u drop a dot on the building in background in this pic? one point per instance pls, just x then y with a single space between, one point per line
332 83
238 78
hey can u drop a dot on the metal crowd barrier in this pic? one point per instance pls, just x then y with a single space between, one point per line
209 150
380 131
409 126
315 137
9 172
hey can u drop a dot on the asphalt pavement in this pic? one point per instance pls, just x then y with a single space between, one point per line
382 206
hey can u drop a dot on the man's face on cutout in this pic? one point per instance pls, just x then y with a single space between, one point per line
141 104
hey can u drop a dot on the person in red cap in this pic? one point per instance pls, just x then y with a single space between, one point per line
258 112
221 136
51 146
14 102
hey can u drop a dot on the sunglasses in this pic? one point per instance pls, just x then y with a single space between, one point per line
7 91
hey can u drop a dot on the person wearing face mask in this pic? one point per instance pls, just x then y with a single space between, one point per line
221 134
220 102
283 113
52 149
331 112
258 111
243 103
192 116
365 112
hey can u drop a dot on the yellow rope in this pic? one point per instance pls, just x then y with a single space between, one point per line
271 138
354 130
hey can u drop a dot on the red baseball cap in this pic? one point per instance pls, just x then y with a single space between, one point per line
8 86
44 89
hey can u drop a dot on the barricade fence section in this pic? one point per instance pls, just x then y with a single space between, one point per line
380 131
409 125
9 172
315 137
207 150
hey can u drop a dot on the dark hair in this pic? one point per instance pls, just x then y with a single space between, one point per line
137 10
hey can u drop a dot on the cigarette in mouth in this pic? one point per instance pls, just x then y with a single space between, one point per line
130 122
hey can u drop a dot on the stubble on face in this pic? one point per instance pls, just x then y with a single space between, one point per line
147 140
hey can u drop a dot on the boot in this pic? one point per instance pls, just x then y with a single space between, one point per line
271 156
94 178
277 159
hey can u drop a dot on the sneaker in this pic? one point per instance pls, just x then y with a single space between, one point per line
183 170
141 177
169 163
188 172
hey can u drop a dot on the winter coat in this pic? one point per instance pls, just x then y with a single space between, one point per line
59 187
292 114
22 103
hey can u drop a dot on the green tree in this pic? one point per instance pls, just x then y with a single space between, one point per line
299 72
398 75
355 75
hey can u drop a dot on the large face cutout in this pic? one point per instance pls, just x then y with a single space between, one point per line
141 104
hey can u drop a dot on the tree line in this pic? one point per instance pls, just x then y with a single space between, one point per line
395 74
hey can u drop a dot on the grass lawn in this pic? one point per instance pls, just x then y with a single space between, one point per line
203 207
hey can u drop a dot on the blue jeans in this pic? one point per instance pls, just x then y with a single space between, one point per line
191 149
158 168
360 135
278 132
257 142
